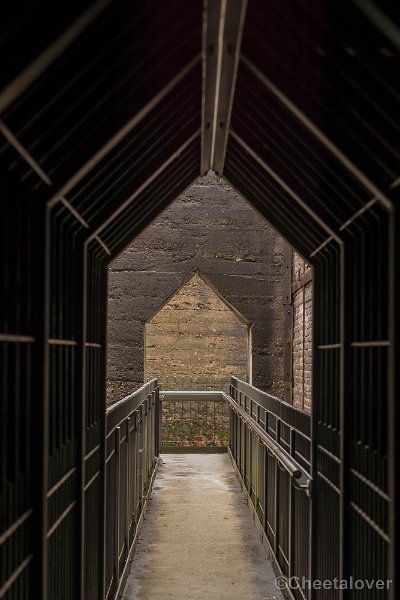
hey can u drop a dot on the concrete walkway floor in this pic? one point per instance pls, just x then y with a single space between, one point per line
198 539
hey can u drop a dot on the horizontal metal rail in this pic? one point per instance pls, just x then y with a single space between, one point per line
285 460
190 395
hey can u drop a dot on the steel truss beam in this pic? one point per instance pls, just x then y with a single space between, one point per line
320 136
23 81
122 133
142 187
222 36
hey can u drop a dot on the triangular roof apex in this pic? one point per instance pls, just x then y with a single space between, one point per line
196 271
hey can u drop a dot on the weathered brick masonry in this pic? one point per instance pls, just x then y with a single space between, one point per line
302 332
212 229
197 340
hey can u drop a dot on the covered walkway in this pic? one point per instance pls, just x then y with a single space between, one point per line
108 111
199 536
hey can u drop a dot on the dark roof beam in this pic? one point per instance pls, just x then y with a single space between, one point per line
24 154
142 187
319 135
222 36
122 133
211 20
381 21
39 171
74 212
83 222
286 187
42 62
321 246
103 245
357 214
229 53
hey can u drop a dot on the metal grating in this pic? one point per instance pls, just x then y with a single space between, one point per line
89 93
293 152
138 155
165 188
267 194
340 71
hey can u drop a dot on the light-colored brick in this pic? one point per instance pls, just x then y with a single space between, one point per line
207 342
302 336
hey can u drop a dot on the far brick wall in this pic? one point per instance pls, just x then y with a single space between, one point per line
302 333
212 229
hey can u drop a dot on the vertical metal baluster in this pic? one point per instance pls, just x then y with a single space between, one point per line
134 442
149 434
190 422
128 486
265 507
146 442
159 413
117 438
292 513
206 428
140 457
214 422
276 514
181 441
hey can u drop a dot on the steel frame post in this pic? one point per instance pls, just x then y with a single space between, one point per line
345 413
117 441
128 483
288 325
41 416
81 411
103 442
316 297
393 408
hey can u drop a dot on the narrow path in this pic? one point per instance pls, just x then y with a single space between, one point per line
198 539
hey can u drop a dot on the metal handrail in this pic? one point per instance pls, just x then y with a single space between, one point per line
303 480
189 395
121 410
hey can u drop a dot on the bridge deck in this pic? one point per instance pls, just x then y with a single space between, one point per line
198 539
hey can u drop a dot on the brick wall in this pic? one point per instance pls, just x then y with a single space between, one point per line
212 229
298 348
302 332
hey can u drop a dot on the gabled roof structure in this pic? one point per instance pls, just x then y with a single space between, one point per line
110 113
200 277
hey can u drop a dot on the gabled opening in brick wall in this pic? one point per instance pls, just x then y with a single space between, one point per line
210 228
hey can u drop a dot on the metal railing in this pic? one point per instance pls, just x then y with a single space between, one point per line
270 447
194 382
194 421
132 449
